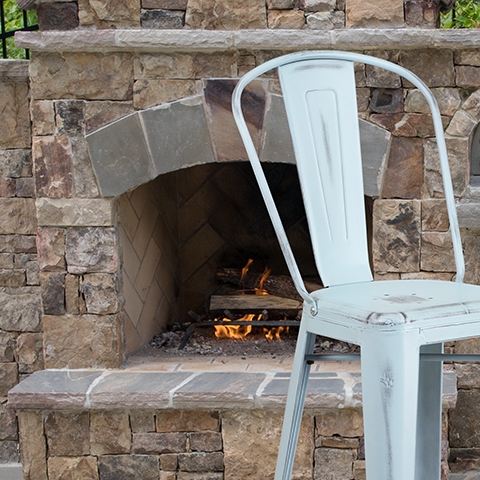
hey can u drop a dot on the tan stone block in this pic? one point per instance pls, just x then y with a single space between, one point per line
8 423
101 293
165 4
374 14
467 57
8 377
468 374
211 65
437 252
448 100
444 277
109 13
73 303
472 105
461 125
7 346
12 278
67 433
434 215
84 179
16 163
53 166
169 462
359 470
289 19
333 463
51 249
98 114
162 65
33 449
472 258
226 15
97 342
20 312
344 423
406 124
396 235
467 76
18 216
43 117
158 443
91 76
281 4
149 92
251 441
187 421
337 442
459 166
78 212
72 468
15 131
109 433
142 421
30 352
206 441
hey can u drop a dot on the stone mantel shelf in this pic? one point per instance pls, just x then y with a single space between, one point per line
146 40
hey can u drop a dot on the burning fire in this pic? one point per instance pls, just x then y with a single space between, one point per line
239 332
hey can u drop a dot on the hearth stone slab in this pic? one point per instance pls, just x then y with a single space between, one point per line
114 389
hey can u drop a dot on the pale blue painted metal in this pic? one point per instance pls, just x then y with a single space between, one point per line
394 322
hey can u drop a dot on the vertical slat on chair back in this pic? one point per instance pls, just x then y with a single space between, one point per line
320 101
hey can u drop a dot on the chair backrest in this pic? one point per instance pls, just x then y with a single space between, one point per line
320 100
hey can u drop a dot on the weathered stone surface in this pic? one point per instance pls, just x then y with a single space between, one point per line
97 342
201 462
377 14
51 249
101 293
92 76
461 125
12 278
226 15
405 124
421 13
437 252
78 212
25 187
333 464
57 16
169 462
325 20
157 443
472 105
466 57
386 100
463 460
67 433
251 440
337 442
148 92
15 132
459 166
290 19
206 441
344 423
53 292
179 66
91 250
434 215
18 243
472 259
43 117
72 468
15 163
34 451
142 421
468 375
435 67
30 352
448 100
20 313
8 423
468 346
7 347
109 433
317 5
359 470
280 4
165 4
195 476
98 114
84 181
396 236
70 116
53 166
128 467
8 377
464 421
467 76
404 176
73 302
164 19
187 421
109 13
18 216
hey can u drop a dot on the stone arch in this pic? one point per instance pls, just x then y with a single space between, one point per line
200 129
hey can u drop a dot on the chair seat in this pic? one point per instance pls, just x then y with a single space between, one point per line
399 304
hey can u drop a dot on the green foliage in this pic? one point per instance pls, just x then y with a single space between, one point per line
466 14
14 21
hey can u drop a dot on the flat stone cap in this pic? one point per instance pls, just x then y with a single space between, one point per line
194 390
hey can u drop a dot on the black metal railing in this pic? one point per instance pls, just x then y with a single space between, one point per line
5 34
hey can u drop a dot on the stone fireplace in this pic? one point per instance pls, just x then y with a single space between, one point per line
123 187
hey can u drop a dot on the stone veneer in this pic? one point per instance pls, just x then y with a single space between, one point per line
62 288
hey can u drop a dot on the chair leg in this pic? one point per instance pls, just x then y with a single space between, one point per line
295 402
429 422
390 370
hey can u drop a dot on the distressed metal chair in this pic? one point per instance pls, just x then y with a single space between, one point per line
399 325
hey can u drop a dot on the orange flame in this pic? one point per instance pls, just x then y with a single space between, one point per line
261 282
238 332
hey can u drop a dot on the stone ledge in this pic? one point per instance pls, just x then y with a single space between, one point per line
184 40
195 390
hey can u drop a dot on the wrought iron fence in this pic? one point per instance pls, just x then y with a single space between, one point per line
6 34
